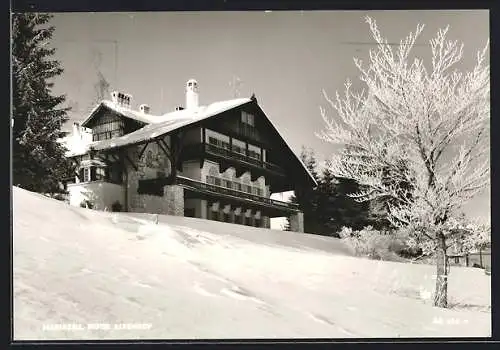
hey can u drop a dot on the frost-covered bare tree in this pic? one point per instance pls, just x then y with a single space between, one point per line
425 126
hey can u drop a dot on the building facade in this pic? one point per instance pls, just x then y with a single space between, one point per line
480 258
217 162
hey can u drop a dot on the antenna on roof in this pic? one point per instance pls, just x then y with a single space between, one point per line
253 98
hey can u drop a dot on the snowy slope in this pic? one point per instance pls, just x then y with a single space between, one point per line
188 278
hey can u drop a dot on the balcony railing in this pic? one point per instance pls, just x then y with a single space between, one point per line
227 191
213 149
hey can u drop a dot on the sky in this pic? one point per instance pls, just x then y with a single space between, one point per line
285 57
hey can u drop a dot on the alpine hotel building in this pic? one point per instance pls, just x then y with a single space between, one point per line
216 162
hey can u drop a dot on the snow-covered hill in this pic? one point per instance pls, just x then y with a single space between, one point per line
120 276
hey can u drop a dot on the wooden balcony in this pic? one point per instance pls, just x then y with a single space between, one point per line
225 157
237 197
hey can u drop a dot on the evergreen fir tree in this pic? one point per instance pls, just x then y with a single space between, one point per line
306 197
335 208
328 206
348 212
38 159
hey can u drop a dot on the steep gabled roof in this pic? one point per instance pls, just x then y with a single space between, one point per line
161 125
126 112
288 146
158 125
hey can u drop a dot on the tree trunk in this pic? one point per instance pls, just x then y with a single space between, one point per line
441 293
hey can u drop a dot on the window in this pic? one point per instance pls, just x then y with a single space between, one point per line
239 146
238 149
227 217
247 118
457 260
257 191
218 143
213 140
107 128
253 154
86 174
257 222
236 186
111 174
100 174
248 221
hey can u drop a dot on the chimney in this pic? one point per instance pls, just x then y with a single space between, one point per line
144 108
121 99
191 94
114 97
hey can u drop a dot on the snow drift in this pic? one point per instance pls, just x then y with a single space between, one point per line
83 274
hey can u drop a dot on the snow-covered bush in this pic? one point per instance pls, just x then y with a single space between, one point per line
86 204
370 243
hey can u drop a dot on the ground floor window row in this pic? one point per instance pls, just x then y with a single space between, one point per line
230 217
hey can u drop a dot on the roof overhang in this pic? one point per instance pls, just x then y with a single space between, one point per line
310 176
151 132
124 112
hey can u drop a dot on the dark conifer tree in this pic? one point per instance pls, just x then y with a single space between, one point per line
38 158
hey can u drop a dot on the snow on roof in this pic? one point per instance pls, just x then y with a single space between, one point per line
96 162
126 112
158 125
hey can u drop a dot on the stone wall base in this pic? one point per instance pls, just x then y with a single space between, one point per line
174 198
171 203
